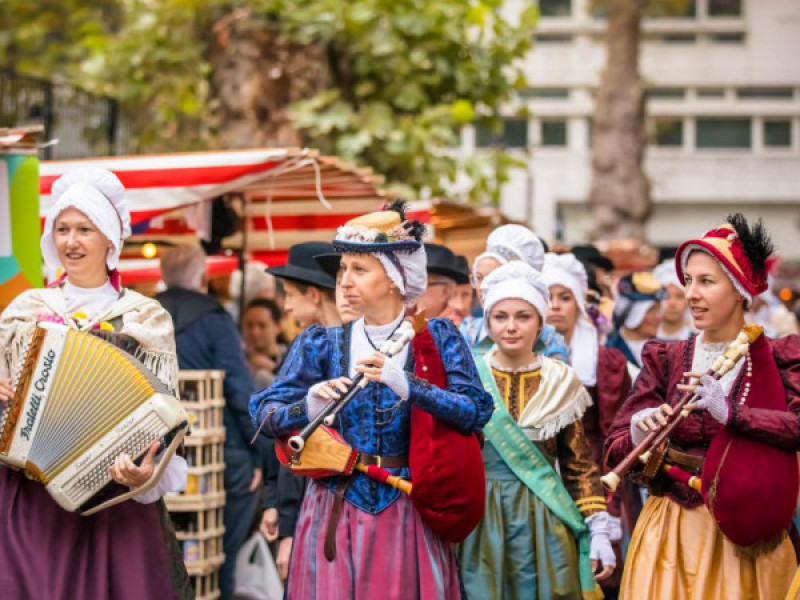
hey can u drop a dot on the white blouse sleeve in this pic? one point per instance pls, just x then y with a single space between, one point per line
173 480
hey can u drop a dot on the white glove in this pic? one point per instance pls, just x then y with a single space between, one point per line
711 397
600 548
614 528
637 435
394 377
314 402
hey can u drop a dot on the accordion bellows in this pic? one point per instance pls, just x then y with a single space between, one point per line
80 402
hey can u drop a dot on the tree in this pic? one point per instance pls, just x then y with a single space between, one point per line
386 83
620 193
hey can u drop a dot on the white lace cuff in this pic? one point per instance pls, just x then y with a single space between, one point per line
173 480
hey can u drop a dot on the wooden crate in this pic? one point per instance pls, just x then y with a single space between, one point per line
197 513
206 585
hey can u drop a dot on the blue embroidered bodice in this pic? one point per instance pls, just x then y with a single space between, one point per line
376 420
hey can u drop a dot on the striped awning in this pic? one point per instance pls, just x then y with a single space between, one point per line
292 195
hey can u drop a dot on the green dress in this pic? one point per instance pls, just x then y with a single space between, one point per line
531 545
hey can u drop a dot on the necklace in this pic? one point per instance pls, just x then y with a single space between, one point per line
369 339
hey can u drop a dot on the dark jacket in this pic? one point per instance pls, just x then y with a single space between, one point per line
207 338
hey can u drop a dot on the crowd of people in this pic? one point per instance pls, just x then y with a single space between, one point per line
544 370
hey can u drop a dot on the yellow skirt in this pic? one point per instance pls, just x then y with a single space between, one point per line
680 554
794 591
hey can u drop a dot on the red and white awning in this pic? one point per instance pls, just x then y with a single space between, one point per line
157 184
293 195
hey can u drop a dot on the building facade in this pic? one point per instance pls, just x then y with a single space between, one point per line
723 110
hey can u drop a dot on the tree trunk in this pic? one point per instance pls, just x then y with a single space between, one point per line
620 193
256 76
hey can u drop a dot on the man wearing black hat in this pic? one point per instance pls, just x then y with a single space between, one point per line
460 304
442 278
310 299
310 296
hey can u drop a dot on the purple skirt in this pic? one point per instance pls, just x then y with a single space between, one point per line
126 552
392 555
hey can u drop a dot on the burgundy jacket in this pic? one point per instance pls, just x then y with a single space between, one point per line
663 366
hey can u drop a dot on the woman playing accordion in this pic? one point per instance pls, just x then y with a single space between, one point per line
127 551
357 538
731 538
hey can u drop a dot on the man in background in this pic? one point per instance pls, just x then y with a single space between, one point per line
206 338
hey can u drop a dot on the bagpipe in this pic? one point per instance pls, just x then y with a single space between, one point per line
319 451
750 487
446 465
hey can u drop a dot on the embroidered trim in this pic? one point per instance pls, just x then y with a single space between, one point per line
367 248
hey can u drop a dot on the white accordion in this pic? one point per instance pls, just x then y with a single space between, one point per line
79 402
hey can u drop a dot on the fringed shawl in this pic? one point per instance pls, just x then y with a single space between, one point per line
142 318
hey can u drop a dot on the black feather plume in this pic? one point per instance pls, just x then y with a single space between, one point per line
756 241
398 206
416 230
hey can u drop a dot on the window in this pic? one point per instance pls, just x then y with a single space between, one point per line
676 9
710 92
514 135
765 93
546 93
726 38
553 38
666 93
668 133
715 133
554 132
555 8
724 8
777 133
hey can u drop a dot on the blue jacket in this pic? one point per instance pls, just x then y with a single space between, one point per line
376 420
207 338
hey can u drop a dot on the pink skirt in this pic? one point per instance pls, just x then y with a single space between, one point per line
392 555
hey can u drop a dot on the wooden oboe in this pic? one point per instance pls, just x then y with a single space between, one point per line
647 451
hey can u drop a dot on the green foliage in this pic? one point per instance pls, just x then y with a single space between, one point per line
407 74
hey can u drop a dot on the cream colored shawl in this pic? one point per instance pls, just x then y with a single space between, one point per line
144 319
560 400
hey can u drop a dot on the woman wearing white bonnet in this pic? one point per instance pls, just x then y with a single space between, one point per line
546 532
137 552
600 368
506 244
674 308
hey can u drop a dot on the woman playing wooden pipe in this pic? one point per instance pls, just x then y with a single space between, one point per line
729 540
355 537
546 531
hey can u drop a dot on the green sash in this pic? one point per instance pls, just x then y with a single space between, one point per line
527 462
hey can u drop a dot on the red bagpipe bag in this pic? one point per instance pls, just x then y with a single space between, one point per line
446 465
751 488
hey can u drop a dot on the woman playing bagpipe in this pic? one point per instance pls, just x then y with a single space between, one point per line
724 488
546 529
127 551
357 538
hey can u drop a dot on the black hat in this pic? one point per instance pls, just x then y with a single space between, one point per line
301 266
590 255
462 267
329 262
441 261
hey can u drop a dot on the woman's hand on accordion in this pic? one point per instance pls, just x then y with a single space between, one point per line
6 393
125 472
